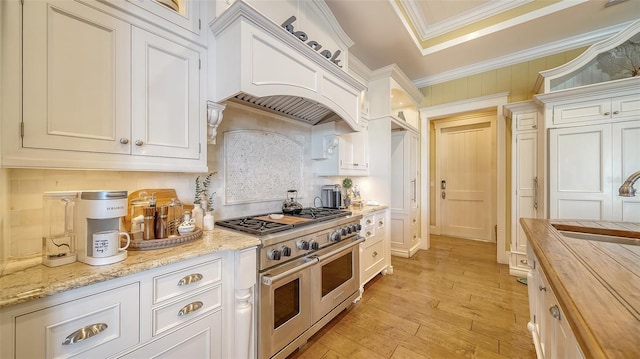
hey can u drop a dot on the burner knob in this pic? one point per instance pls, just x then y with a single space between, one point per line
335 236
286 251
274 254
358 226
349 230
343 231
355 228
314 245
304 245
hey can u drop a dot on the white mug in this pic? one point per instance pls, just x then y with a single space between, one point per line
107 243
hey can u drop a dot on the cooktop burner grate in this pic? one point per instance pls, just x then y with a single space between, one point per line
260 227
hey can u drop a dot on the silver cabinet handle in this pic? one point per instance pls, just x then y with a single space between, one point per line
524 261
190 308
191 278
368 221
555 312
139 142
535 193
380 224
616 112
415 190
607 113
368 234
374 254
541 288
124 140
85 333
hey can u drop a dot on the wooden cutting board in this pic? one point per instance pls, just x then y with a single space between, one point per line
284 220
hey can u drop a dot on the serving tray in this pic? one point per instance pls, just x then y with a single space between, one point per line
149 244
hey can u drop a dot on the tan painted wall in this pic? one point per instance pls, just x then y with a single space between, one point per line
517 79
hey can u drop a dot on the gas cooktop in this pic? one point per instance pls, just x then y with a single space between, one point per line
256 226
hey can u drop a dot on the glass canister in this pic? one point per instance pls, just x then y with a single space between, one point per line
58 228
175 217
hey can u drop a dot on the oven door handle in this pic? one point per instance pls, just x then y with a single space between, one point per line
268 280
355 242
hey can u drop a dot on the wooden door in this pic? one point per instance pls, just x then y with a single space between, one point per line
165 98
76 78
465 173
580 160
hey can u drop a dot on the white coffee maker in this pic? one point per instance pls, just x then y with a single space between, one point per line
99 212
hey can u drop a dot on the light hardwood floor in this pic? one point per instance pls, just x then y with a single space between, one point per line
451 301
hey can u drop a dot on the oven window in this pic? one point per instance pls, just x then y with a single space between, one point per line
286 302
336 272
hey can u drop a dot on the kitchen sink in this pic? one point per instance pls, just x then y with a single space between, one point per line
600 237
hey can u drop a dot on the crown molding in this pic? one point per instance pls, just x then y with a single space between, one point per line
522 56
427 31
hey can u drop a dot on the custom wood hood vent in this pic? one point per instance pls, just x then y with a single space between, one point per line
259 63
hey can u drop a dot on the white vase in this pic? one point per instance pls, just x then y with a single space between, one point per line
208 221
197 214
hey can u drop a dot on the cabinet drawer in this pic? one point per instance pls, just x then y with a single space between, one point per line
581 112
201 339
527 121
380 222
372 255
114 315
187 280
184 311
520 261
368 220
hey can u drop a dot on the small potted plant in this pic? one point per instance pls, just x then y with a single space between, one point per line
347 183
202 195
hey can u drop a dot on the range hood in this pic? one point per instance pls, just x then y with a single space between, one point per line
259 63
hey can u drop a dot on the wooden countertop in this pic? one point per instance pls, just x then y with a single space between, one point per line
40 281
596 283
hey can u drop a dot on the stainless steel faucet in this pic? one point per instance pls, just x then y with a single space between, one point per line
627 190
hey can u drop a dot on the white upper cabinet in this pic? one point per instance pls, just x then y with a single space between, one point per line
76 78
105 88
337 153
165 115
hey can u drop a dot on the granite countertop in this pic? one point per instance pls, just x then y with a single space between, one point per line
364 210
40 281
596 283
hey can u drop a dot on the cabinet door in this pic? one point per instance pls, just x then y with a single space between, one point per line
526 183
354 151
626 150
165 97
76 78
625 106
580 160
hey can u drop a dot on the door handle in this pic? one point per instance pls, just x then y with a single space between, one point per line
443 195
443 184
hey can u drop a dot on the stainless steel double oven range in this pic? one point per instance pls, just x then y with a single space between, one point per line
308 272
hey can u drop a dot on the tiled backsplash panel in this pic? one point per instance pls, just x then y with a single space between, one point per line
258 165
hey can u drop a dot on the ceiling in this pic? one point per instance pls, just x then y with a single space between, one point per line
434 41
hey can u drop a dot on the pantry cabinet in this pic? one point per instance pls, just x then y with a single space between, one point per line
526 178
109 86
405 193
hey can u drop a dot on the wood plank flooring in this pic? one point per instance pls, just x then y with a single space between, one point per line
451 301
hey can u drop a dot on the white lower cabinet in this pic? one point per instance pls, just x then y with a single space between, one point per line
98 325
374 251
175 311
201 339
550 330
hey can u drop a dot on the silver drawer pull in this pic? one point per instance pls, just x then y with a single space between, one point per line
541 288
190 308
85 333
191 278
368 221
524 261
555 312
380 223
374 254
369 234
